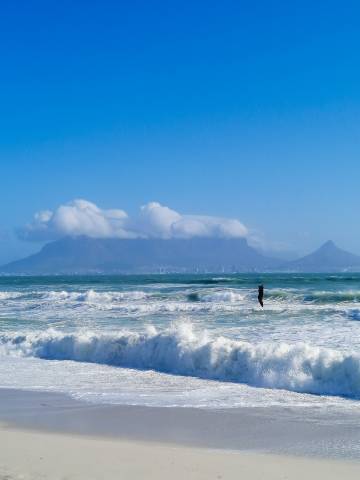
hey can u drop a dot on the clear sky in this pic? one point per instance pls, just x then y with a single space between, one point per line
242 109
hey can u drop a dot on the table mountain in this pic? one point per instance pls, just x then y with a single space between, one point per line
91 255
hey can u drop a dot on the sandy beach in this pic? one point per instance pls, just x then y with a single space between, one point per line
34 455
51 436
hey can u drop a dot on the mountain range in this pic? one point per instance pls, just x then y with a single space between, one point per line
82 255
86 255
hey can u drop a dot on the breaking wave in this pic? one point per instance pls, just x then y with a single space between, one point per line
221 296
9 295
182 351
91 296
333 297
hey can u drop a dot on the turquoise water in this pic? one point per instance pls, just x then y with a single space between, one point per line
189 340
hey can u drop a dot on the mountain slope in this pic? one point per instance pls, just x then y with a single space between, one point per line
327 258
87 255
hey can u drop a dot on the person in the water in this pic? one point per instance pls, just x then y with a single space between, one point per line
261 295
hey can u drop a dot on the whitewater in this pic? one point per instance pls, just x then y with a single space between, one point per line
185 340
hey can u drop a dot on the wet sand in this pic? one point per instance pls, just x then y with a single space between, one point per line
51 436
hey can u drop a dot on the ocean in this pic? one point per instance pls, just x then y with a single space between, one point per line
185 340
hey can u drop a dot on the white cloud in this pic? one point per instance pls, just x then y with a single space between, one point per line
81 217
78 217
155 220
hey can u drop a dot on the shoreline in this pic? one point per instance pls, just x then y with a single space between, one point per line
31 455
50 436
271 430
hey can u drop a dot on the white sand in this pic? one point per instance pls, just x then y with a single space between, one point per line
34 455
51 436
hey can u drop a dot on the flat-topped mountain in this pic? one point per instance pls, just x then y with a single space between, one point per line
196 255
91 255
327 258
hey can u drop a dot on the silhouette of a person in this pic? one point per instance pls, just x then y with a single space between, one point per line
261 295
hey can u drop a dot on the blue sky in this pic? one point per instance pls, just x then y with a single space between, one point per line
239 109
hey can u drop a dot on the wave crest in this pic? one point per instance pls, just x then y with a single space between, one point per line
9 295
181 351
219 296
91 296
323 297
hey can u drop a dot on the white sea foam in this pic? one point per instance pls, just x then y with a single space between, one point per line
182 351
180 301
223 296
333 296
9 295
91 296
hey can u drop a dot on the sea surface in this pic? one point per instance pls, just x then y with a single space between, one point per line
185 340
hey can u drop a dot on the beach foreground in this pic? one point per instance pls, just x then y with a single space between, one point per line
51 436
37 455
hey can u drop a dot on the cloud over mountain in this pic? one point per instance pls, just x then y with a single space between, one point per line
81 217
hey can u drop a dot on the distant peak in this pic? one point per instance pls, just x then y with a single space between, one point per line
329 244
